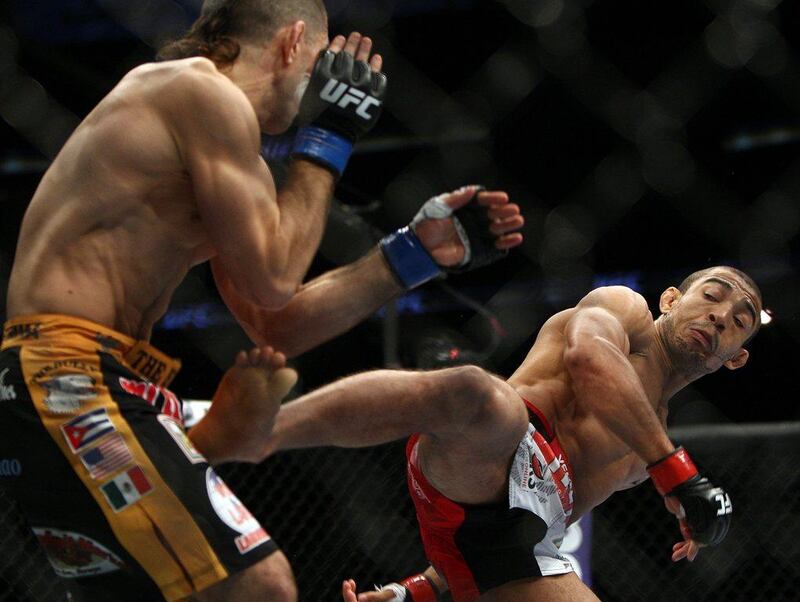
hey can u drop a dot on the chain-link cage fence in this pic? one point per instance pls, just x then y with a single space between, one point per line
610 122
760 558
339 514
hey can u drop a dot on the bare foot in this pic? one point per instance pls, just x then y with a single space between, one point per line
243 411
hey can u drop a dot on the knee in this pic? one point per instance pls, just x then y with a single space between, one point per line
281 588
276 580
470 391
475 382
270 579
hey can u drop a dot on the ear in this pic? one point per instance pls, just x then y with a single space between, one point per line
738 360
668 299
291 36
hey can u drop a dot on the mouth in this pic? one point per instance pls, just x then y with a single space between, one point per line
702 337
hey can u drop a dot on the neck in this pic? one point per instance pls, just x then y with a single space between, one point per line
251 78
672 378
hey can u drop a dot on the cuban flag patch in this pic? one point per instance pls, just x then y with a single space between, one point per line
107 458
87 428
126 488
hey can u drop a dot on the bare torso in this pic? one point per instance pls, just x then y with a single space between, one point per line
113 227
601 462
474 469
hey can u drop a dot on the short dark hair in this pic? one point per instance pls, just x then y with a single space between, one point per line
222 24
695 276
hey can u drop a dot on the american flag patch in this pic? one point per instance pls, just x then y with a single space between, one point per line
107 458
82 430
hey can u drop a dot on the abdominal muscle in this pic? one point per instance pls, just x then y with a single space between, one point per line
112 228
600 462
601 465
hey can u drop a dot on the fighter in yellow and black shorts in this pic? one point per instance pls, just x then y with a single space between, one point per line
93 441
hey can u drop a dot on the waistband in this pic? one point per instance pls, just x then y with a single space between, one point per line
538 420
55 330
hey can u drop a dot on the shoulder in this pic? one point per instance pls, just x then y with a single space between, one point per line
192 93
197 80
617 299
627 307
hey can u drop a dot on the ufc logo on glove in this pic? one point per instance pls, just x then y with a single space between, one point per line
329 127
341 94
725 506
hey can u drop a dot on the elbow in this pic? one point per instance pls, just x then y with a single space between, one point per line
288 343
270 295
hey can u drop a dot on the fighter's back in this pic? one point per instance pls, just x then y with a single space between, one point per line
113 227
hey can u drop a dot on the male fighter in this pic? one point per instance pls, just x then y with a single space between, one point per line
164 174
498 470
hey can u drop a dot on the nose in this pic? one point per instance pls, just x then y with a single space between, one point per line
718 320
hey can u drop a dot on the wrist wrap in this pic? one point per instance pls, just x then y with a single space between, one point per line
408 259
672 470
421 589
323 147
276 148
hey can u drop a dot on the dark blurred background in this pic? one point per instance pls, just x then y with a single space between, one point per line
642 139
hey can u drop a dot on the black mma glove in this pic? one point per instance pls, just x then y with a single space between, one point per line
707 508
472 223
411 262
342 102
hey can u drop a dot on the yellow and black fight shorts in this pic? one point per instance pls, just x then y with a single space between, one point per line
93 448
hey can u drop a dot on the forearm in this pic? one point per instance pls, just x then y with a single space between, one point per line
604 380
320 310
303 204
330 305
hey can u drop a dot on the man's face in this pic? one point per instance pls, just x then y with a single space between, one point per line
710 322
311 50
294 83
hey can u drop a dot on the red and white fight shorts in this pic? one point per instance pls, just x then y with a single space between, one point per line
480 547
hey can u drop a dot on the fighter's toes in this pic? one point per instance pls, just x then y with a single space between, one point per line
277 361
281 382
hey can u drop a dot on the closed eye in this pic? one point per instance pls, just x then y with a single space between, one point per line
710 296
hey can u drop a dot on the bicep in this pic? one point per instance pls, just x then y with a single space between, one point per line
592 324
236 202
218 139
614 314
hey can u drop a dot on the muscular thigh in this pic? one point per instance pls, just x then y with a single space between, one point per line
556 588
471 466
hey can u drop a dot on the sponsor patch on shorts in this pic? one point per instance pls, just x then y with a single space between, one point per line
234 514
174 428
126 488
76 555
154 395
87 428
10 467
7 392
108 457
66 392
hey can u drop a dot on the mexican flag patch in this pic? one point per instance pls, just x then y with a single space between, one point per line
126 488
